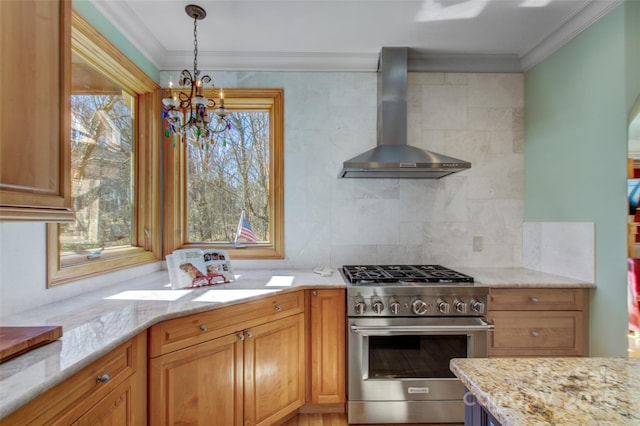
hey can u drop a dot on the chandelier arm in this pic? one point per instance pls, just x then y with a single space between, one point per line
186 79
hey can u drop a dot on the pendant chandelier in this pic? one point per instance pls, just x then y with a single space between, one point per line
186 115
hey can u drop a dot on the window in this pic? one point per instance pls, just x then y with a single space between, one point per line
114 165
209 189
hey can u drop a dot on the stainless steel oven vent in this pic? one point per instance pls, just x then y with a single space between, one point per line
392 157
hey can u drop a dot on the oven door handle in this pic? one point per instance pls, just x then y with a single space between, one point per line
418 328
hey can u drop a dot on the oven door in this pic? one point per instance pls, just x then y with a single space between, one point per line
407 359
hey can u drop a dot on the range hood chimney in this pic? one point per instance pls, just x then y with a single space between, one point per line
392 157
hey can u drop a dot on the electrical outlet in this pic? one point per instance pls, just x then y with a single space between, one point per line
477 243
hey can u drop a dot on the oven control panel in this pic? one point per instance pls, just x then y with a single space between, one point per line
444 303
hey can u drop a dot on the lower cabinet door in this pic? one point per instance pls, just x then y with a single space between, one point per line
535 333
120 407
198 385
326 376
274 370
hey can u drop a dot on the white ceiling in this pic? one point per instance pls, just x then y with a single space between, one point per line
346 35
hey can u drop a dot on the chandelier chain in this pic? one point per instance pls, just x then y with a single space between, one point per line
195 47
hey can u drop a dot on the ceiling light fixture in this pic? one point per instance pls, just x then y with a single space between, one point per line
187 115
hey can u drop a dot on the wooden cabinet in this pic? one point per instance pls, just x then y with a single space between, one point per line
198 385
243 364
326 369
539 322
274 370
35 52
179 333
110 391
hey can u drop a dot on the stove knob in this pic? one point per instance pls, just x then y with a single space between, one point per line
443 306
395 308
460 306
419 307
360 308
477 306
377 306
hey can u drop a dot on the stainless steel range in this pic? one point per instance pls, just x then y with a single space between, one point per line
405 322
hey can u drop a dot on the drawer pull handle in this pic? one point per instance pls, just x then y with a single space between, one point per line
249 334
535 333
203 327
103 378
534 299
315 293
278 308
241 336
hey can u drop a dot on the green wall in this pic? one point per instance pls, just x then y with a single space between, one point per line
632 45
576 106
91 14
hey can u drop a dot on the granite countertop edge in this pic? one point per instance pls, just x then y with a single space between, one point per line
83 315
482 397
554 390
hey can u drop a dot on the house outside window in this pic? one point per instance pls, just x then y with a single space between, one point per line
115 164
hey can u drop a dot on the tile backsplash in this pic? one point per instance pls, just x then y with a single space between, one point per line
561 248
331 117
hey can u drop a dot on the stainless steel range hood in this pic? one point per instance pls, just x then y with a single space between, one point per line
392 157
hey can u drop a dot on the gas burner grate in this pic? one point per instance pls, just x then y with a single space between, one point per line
372 274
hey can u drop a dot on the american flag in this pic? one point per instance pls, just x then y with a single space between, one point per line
245 231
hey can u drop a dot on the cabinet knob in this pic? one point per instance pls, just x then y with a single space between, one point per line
535 333
534 299
103 378
278 308
249 334
203 327
315 293
241 336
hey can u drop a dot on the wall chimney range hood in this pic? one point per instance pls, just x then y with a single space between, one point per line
392 157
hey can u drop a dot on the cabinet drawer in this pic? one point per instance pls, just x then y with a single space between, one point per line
543 299
547 333
179 333
66 402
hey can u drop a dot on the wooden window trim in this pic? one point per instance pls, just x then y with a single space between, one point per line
96 50
175 173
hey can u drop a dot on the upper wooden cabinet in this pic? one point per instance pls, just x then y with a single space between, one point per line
35 58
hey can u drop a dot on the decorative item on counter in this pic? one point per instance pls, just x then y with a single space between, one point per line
244 231
323 271
190 268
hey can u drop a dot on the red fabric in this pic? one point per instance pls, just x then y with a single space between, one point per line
633 273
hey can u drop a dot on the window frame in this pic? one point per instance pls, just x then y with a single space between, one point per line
101 54
175 172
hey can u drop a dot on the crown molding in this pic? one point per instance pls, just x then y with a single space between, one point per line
123 19
274 61
423 61
580 21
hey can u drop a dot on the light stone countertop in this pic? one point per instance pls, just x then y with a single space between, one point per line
554 391
521 277
97 322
